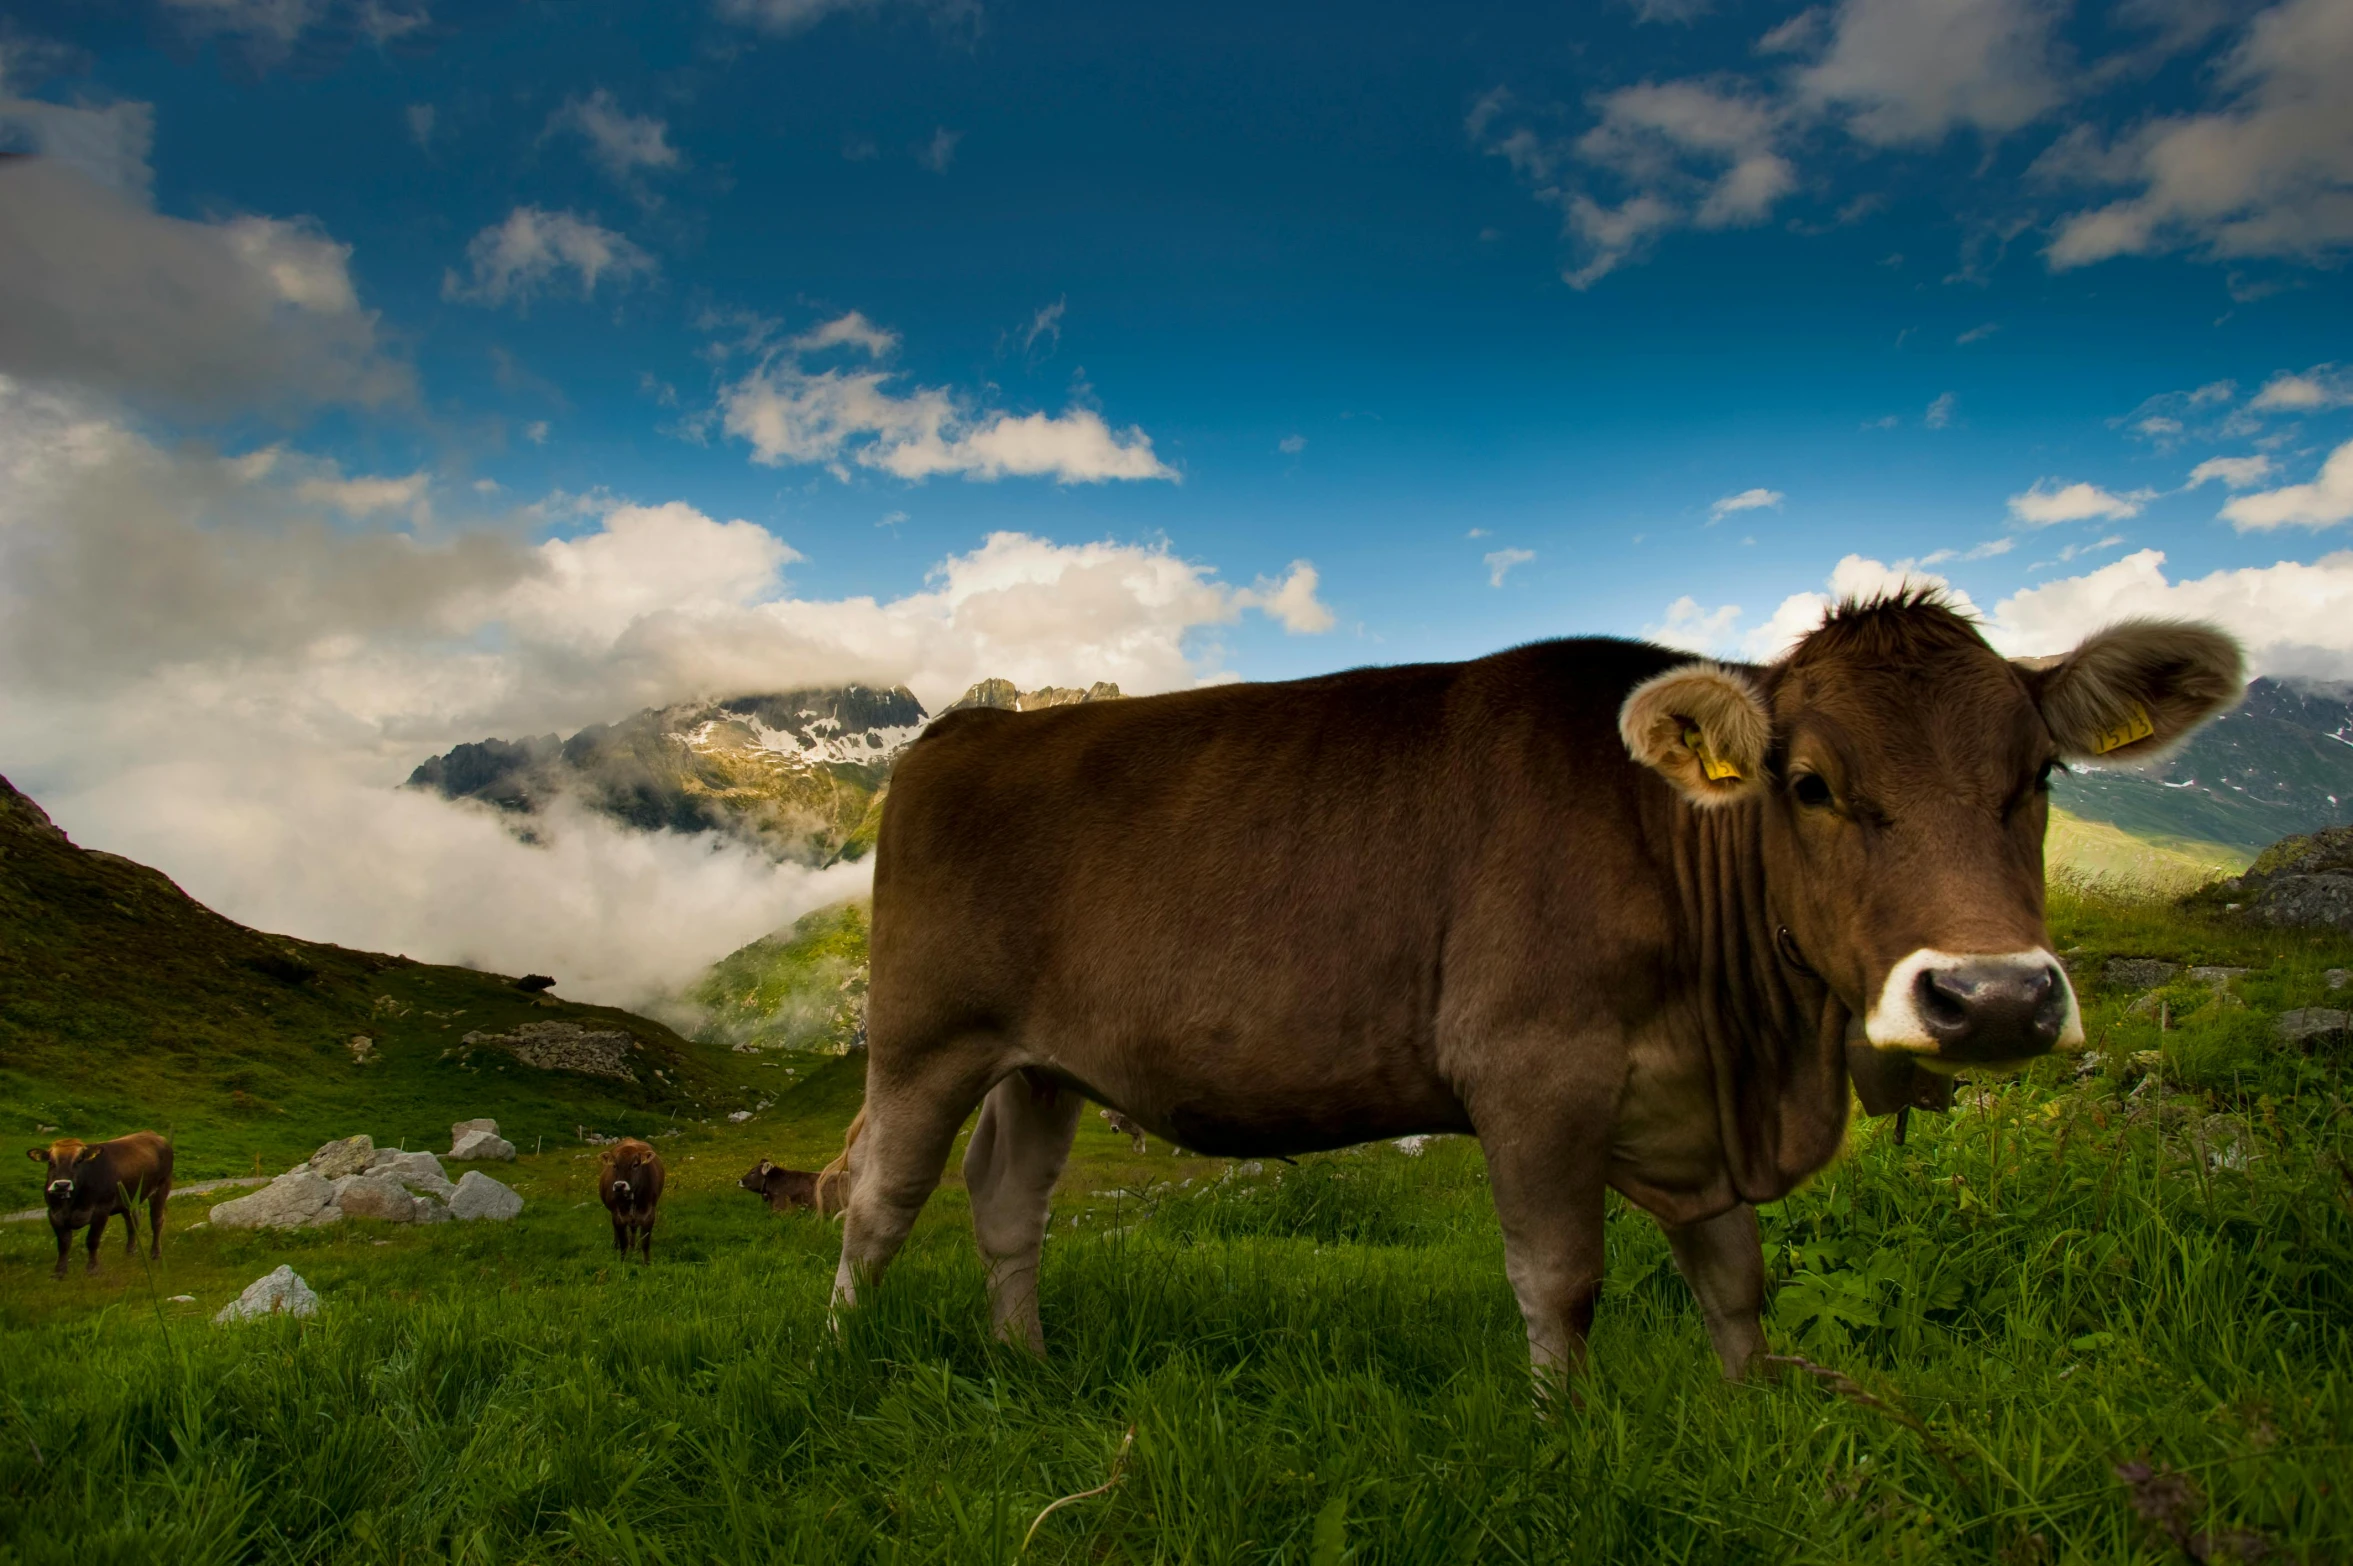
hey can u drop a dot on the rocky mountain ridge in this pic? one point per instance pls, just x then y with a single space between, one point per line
799 774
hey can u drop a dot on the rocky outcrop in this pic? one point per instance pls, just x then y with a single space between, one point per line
2312 1026
1006 697
385 1198
564 1046
2298 882
297 1199
480 1197
279 1293
368 1182
347 1156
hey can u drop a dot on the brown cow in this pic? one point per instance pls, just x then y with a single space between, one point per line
785 1189
629 1179
90 1182
1615 911
1125 1127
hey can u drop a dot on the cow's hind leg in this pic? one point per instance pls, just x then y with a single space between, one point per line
1724 1263
911 1120
155 1225
1010 1166
97 1228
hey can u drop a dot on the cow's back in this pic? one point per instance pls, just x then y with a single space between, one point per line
139 1164
1228 911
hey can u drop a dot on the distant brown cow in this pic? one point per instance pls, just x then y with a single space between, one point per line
629 1178
785 1189
1127 1128
90 1182
1616 911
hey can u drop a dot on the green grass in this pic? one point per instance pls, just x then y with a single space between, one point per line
802 988
1320 1363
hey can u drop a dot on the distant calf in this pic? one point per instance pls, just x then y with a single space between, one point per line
89 1182
785 1189
629 1183
1127 1128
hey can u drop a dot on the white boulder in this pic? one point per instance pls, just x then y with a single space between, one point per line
296 1199
384 1198
280 1293
481 1147
479 1196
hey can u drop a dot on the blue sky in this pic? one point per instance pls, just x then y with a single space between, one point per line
438 345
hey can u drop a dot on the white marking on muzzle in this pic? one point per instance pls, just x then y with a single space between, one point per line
1895 1021
58 1188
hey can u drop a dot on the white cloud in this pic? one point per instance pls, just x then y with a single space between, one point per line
836 416
622 144
106 143
1291 445
1684 153
1501 562
1291 601
1693 628
420 117
99 290
2295 620
1046 323
1940 411
1984 551
271 27
514 261
2233 472
536 432
2268 173
2318 388
362 497
1746 500
939 152
1913 71
1977 334
2048 502
301 662
786 17
2324 502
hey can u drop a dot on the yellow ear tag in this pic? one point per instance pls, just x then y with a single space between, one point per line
2136 727
1715 767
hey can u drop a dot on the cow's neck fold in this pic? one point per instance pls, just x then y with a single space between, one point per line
1774 1036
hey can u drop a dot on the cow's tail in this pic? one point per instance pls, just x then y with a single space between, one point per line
833 1181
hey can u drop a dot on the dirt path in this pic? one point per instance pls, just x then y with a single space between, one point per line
194 1188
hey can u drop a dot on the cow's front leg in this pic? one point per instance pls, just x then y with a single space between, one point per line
1546 1173
97 1228
65 1242
1721 1259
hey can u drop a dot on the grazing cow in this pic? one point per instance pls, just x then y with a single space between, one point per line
1617 912
629 1182
785 1189
1126 1127
89 1182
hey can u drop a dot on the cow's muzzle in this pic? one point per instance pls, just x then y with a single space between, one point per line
59 1190
1954 1010
621 1190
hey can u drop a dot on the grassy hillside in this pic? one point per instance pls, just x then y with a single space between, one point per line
2102 851
125 1004
2145 1262
802 988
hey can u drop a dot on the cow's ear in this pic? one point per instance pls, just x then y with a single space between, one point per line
39 1155
767 1167
85 1155
2136 690
1704 727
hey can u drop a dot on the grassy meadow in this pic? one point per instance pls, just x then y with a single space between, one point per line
2145 1266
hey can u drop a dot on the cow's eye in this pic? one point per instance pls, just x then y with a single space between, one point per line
1810 790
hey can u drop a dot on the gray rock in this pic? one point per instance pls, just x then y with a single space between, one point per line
564 1046
405 1166
378 1196
479 1196
2140 973
2312 1025
2338 978
2218 978
349 1156
296 1199
481 1146
459 1132
280 1293
2303 901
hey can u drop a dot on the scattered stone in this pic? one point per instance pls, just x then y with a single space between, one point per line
2218 978
2311 1025
180 1299
1411 1146
479 1196
2299 882
384 1198
296 1199
280 1293
406 1164
362 1047
2338 978
337 1159
738 1116
564 1046
2140 973
457 1132
1253 1167
482 1147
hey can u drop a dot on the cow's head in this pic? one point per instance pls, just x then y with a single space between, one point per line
625 1165
68 1161
757 1179
1902 770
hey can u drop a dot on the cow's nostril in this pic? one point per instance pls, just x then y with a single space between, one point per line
1944 998
2049 998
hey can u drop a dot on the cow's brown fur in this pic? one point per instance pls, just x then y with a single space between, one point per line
783 1189
629 1182
90 1182
1612 911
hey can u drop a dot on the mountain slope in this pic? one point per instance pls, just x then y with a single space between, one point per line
798 774
124 1003
2278 764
